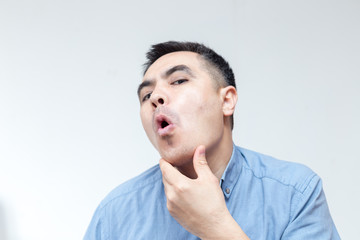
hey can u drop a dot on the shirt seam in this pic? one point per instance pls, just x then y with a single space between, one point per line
310 176
299 197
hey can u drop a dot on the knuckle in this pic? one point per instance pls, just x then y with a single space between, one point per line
171 207
164 174
181 188
213 180
170 198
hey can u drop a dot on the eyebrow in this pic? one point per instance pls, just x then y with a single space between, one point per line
145 83
182 68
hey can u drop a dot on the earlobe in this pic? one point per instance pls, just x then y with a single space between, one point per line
229 97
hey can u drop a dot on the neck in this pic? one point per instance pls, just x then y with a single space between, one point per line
217 157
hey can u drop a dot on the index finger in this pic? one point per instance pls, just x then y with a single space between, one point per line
170 174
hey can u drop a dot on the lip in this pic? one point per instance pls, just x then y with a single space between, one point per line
163 130
166 130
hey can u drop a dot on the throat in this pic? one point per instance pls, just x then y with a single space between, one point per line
188 170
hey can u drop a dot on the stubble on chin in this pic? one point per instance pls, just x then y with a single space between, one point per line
178 157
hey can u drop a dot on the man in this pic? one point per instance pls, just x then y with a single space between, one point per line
205 186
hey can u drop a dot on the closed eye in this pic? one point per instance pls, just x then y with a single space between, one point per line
177 82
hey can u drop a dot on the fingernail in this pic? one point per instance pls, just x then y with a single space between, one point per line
202 162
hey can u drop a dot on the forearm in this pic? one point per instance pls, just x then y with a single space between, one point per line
227 229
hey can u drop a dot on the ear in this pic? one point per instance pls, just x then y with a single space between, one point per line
229 97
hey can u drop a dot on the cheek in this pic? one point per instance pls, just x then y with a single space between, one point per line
202 113
143 119
147 124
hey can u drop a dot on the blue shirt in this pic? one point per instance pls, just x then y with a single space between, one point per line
269 199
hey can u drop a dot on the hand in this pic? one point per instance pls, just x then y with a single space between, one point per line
199 204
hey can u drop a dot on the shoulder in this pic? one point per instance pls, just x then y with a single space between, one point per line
121 206
287 173
140 183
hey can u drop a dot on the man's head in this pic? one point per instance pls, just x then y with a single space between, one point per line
187 98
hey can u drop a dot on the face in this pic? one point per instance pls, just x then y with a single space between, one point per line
181 107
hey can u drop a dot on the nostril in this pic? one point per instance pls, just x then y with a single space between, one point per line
154 105
161 101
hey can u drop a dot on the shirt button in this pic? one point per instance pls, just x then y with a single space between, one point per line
227 190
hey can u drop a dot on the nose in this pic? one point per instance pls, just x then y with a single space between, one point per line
158 99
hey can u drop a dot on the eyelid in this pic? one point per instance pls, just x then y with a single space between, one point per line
145 95
177 80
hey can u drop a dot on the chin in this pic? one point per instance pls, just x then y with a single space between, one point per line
177 157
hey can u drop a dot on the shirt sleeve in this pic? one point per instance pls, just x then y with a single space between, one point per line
96 228
310 217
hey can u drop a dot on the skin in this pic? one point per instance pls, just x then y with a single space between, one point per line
179 88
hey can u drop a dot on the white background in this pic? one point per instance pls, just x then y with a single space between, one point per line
69 115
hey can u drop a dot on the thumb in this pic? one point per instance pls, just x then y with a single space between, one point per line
200 164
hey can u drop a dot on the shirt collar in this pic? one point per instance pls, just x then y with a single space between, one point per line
232 172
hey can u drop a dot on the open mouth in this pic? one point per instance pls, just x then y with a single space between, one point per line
162 122
163 125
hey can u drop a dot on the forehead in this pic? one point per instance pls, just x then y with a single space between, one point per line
190 59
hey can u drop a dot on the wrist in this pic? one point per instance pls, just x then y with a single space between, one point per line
227 229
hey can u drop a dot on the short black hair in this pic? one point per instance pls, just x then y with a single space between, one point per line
210 56
158 50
